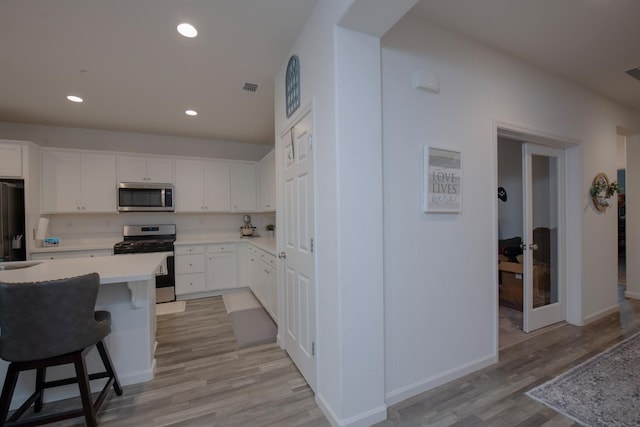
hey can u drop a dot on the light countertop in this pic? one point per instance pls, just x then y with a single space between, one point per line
266 243
112 269
74 246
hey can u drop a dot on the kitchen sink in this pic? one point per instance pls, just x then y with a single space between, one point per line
17 266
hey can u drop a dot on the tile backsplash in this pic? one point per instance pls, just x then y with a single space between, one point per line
79 227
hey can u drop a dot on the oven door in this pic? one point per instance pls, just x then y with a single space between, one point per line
166 283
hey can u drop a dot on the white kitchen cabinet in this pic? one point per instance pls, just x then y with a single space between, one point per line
202 186
75 181
243 187
264 280
41 256
10 160
145 169
190 283
190 269
267 183
222 267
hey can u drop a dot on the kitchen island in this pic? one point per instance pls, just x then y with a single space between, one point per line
127 290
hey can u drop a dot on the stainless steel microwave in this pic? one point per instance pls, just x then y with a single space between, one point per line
137 197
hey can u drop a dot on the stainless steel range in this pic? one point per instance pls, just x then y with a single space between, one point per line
152 238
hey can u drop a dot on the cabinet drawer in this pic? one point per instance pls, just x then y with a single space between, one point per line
254 251
272 261
189 264
190 283
221 248
189 249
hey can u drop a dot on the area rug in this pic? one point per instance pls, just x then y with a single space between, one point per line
170 307
251 324
603 391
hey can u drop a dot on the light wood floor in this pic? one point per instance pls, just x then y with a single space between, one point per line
204 379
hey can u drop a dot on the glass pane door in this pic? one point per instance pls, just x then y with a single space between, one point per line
543 183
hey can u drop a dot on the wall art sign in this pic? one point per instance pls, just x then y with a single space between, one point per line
292 85
442 180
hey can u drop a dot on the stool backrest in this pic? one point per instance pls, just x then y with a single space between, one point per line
46 319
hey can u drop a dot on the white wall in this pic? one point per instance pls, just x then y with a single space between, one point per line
93 139
440 275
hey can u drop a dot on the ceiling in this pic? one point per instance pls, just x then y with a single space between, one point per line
592 42
137 74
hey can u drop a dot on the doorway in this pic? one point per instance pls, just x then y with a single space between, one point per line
531 279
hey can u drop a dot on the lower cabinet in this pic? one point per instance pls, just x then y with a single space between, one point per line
264 280
41 256
222 267
189 268
205 268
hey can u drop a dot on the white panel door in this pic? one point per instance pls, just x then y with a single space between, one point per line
299 265
189 186
98 183
543 245
216 186
61 181
160 169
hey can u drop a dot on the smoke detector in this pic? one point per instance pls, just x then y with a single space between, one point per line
250 87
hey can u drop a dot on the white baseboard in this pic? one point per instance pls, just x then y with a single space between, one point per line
421 386
632 295
603 313
365 419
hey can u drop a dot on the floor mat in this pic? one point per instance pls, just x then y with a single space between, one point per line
251 324
170 307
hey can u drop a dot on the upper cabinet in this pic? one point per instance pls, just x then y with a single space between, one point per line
243 187
10 160
76 181
202 186
267 183
145 169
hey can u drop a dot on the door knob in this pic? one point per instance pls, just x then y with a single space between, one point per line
282 255
533 246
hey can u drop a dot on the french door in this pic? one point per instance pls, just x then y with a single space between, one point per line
543 244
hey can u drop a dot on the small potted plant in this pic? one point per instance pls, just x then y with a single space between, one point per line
270 229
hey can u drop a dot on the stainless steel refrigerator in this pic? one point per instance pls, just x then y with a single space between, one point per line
12 229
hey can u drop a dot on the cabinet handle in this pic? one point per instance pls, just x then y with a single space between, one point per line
78 207
190 265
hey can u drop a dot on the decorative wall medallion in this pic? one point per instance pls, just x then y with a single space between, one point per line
292 85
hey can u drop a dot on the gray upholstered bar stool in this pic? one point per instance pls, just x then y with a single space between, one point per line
47 324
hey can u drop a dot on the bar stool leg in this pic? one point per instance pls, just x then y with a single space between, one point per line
85 389
108 365
40 379
7 392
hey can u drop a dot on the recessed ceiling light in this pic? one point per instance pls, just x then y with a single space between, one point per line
187 30
191 113
74 98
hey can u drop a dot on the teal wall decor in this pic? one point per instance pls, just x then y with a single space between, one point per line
292 85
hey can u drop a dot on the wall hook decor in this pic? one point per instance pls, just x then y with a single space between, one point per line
601 191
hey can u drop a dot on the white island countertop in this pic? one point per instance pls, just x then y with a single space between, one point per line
127 291
112 269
